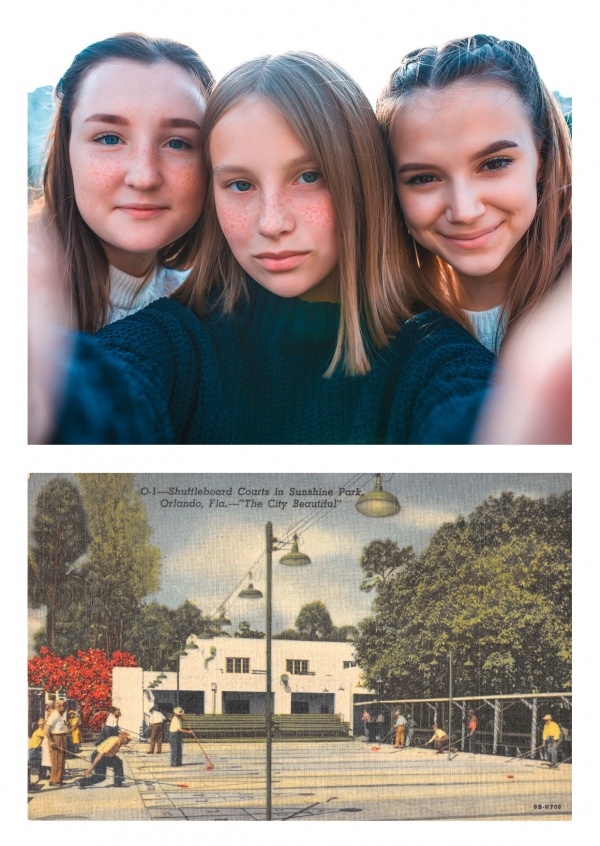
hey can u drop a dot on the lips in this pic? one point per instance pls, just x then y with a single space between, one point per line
142 211
284 260
471 240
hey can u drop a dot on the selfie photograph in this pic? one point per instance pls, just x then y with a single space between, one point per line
208 246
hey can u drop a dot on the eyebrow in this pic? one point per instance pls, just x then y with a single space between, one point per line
291 165
119 120
495 147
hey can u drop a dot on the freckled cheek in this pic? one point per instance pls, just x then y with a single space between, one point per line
93 182
320 214
236 223
320 219
189 186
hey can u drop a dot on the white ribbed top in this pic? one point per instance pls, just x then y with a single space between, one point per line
127 297
485 327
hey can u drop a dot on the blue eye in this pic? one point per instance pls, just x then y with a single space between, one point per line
109 139
310 177
178 144
241 186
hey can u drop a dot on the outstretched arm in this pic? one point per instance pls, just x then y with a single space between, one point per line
531 401
137 380
49 343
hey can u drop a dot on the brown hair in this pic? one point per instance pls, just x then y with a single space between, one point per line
87 274
334 120
546 246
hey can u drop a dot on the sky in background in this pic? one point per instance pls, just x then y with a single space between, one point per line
367 38
207 550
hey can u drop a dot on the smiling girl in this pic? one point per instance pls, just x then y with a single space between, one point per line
125 181
291 327
480 153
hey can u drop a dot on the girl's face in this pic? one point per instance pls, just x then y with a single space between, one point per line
466 168
273 205
138 171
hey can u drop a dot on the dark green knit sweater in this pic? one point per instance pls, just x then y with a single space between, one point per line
256 377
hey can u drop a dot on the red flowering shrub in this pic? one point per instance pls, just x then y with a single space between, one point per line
86 678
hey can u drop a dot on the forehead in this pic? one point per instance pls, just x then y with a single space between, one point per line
462 116
245 126
129 85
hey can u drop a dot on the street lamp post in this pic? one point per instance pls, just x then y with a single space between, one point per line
269 685
377 503
450 706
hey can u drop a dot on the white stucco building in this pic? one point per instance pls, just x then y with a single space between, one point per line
226 675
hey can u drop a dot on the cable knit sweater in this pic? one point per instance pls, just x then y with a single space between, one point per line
163 375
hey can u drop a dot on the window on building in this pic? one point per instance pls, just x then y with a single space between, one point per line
297 668
238 665
348 664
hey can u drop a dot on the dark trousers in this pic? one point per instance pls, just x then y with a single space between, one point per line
156 736
176 742
99 773
107 731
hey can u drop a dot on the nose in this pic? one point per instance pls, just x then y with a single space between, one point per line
144 172
275 216
464 203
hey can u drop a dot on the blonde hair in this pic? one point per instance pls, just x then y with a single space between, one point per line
334 120
546 247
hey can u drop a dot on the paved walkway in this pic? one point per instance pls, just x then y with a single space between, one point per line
314 781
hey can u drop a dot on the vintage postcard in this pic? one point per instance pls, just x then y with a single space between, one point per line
302 647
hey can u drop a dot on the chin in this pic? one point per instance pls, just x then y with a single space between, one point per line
477 268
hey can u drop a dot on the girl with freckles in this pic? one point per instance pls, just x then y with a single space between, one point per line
480 153
293 325
124 182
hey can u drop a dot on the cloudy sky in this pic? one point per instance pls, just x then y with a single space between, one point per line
208 550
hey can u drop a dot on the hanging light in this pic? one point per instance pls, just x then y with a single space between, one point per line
378 503
250 592
468 665
189 646
294 558
222 620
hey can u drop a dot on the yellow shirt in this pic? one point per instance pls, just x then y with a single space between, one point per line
551 729
109 747
438 734
76 729
36 738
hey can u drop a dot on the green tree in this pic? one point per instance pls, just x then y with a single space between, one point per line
381 560
123 566
59 537
314 621
151 636
289 634
495 589
244 630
